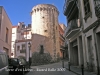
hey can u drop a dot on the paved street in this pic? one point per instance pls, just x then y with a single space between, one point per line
51 69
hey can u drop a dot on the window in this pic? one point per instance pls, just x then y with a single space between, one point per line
97 2
86 6
56 27
41 49
43 17
23 46
7 31
45 30
18 48
23 26
0 10
0 25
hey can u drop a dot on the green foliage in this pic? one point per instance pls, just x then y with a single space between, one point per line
41 59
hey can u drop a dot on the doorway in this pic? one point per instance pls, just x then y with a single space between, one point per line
81 49
75 55
98 46
90 53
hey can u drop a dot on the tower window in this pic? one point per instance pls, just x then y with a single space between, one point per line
41 49
43 17
45 30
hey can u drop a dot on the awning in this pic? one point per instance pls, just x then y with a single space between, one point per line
72 32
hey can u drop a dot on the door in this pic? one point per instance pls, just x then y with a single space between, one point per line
90 53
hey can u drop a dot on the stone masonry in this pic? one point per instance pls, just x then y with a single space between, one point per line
45 29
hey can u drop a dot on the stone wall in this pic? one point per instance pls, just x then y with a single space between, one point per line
45 28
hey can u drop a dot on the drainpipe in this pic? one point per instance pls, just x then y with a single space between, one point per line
96 48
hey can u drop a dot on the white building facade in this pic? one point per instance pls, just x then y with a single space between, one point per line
14 37
20 40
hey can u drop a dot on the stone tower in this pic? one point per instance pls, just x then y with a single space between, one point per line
45 31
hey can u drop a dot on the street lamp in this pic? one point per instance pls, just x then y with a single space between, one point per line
29 45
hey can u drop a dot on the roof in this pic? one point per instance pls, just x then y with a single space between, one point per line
14 26
23 40
72 33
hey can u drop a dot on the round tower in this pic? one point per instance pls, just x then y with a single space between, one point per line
45 28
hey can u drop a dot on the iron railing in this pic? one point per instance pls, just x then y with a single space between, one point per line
62 47
97 8
62 37
66 4
73 24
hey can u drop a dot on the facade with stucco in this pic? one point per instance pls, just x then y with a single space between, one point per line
21 36
14 37
83 42
5 31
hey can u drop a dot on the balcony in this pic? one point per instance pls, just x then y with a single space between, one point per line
73 24
69 6
61 36
62 47
73 28
97 10
23 51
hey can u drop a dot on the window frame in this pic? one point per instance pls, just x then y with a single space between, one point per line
89 13
23 46
0 25
87 8
7 35
18 48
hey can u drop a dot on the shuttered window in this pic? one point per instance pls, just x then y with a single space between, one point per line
86 6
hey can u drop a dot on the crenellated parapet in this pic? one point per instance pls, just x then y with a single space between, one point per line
44 7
